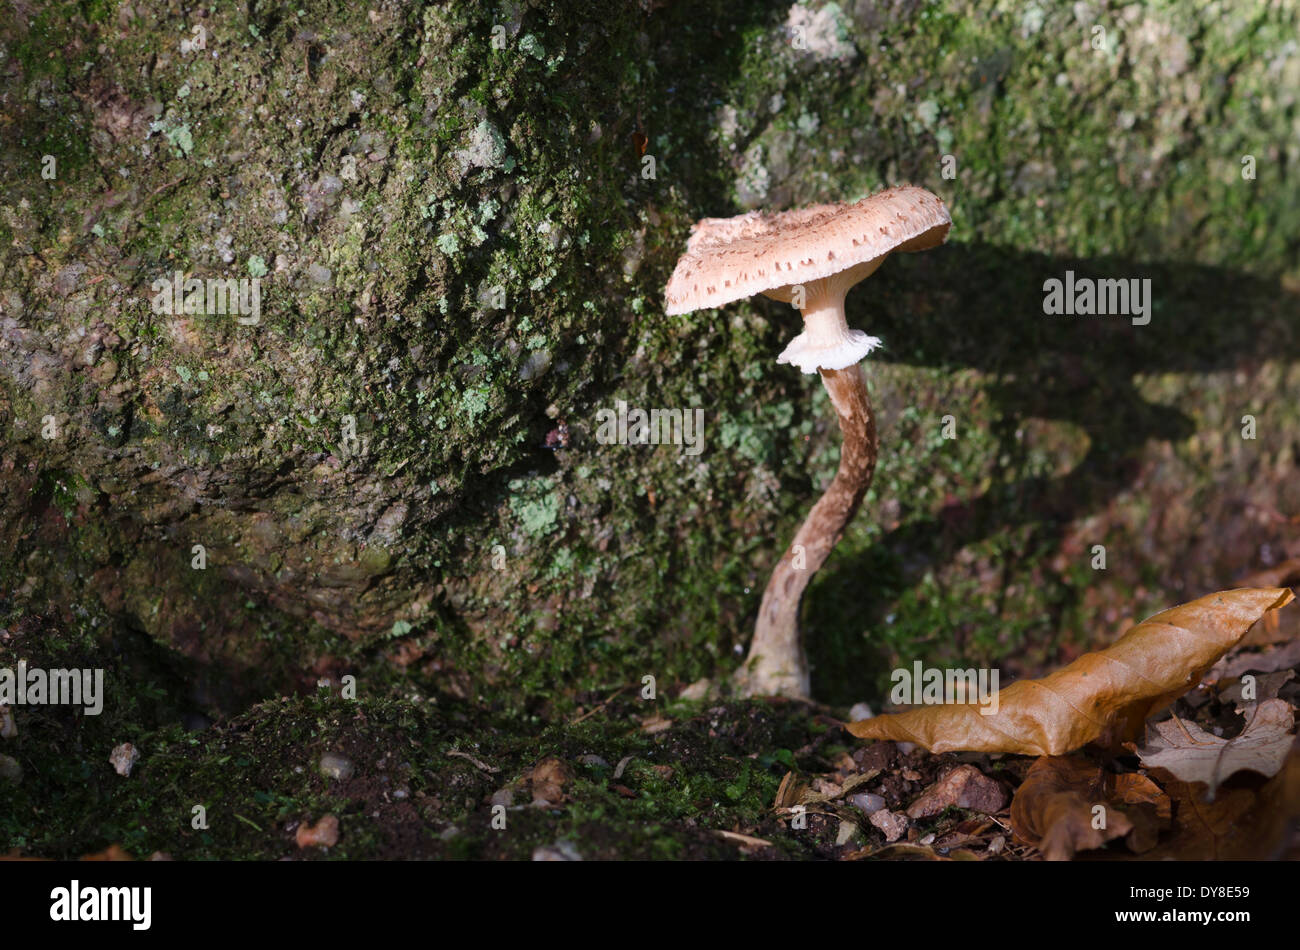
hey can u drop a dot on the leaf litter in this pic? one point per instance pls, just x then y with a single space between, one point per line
1136 754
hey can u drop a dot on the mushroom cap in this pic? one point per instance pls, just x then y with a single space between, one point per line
728 259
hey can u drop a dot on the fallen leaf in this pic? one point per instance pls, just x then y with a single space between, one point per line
1145 805
1056 808
1280 575
787 793
1105 695
1240 824
858 778
1265 686
1279 658
1191 754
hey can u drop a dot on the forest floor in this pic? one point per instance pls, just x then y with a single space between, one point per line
621 778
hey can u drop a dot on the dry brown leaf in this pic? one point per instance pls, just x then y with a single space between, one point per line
1279 575
1265 686
787 793
1191 754
858 778
1272 630
1240 824
1146 806
1053 808
1270 661
1106 695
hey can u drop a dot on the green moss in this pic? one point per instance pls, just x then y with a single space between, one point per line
965 548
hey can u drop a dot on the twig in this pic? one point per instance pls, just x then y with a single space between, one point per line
595 709
742 839
479 762
164 187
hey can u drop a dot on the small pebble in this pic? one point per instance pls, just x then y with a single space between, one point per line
560 851
319 275
892 823
8 725
859 711
867 803
337 767
846 832
123 758
323 834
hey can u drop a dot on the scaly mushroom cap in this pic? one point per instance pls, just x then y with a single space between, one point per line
728 259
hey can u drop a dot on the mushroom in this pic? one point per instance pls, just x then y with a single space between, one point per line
810 258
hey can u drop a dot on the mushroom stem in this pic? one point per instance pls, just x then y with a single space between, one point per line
777 665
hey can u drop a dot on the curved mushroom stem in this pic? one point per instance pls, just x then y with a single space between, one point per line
777 665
